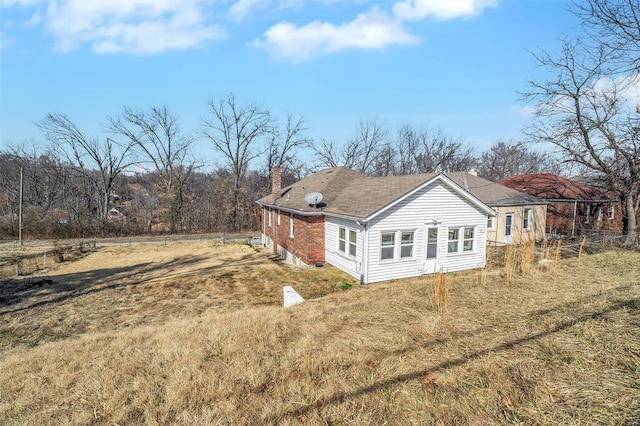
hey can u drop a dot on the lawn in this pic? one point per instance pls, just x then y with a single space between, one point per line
196 334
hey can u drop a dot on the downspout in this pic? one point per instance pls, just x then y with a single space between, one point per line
364 273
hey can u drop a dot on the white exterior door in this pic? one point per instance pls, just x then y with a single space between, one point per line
508 228
432 249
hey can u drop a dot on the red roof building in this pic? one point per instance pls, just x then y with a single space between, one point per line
575 208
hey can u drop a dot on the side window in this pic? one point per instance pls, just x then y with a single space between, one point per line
406 244
489 222
526 219
454 237
467 245
388 245
342 240
353 239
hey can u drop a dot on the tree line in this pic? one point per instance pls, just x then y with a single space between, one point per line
143 176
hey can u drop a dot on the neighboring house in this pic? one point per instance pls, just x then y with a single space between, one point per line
521 217
575 208
376 228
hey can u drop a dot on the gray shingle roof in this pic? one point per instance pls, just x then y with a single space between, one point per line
491 193
350 193
346 192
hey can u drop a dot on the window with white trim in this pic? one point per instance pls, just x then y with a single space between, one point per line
406 244
278 217
461 240
342 240
388 245
600 213
454 237
526 219
489 222
347 241
467 244
291 225
353 239
611 211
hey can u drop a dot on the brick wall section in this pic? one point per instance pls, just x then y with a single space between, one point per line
308 241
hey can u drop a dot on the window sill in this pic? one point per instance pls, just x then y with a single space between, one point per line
402 260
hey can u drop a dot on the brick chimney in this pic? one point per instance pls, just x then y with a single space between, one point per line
276 181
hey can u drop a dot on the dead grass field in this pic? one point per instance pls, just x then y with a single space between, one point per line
195 334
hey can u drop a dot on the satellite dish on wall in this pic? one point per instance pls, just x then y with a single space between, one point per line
313 198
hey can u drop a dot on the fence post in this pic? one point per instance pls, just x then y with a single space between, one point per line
44 260
17 268
165 240
129 242
94 243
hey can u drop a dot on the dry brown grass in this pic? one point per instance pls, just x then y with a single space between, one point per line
559 348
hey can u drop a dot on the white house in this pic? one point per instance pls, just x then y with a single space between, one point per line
377 228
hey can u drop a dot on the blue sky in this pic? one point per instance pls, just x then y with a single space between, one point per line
456 65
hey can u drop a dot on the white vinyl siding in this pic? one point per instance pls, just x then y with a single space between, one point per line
434 202
352 265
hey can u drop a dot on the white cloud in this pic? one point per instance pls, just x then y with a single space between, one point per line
414 10
129 26
371 30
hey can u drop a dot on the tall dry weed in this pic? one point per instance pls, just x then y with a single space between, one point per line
581 249
527 257
440 292
511 261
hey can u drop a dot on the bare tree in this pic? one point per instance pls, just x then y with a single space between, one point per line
506 158
438 152
156 133
361 151
99 161
586 116
239 133
282 150
613 25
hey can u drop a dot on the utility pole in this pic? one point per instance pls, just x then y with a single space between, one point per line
20 210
